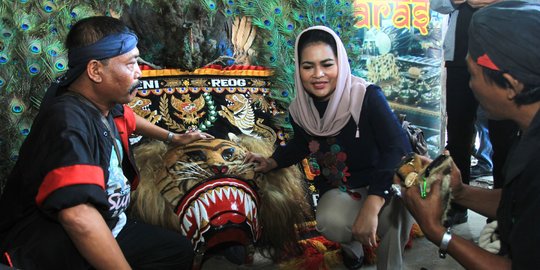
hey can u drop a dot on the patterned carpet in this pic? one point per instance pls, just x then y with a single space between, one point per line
321 253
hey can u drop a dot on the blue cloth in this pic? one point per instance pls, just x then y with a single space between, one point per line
107 47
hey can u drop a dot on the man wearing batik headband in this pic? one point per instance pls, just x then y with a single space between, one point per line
504 62
64 203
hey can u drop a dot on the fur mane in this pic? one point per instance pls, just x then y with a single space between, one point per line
283 200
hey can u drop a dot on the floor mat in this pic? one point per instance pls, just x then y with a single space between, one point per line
321 253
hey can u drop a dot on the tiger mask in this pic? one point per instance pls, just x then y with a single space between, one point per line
204 188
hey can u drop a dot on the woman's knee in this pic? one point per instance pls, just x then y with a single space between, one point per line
336 212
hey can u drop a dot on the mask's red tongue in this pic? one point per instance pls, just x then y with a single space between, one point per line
217 205
228 217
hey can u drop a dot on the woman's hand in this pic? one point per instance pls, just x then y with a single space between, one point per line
365 226
264 164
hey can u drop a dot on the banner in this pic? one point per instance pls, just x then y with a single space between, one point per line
210 99
402 53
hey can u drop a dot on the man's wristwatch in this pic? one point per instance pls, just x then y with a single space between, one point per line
447 236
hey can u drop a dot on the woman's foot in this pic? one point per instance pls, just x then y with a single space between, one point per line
352 262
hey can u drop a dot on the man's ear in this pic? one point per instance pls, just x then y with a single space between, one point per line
93 69
515 86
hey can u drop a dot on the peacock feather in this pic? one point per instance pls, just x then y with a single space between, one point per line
48 7
56 59
34 67
5 57
210 6
3 82
230 8
78 12
32 46
6 33
26 23
16 108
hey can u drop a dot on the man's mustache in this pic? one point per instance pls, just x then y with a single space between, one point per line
134 87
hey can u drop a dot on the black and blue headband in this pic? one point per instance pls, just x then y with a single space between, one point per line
107 47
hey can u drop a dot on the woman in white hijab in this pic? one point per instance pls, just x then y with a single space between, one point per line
353 142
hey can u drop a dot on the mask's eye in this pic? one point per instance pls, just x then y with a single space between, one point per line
196 156
228 154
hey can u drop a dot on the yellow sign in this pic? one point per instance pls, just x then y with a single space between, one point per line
403 13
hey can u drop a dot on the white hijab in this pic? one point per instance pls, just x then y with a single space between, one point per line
346 101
